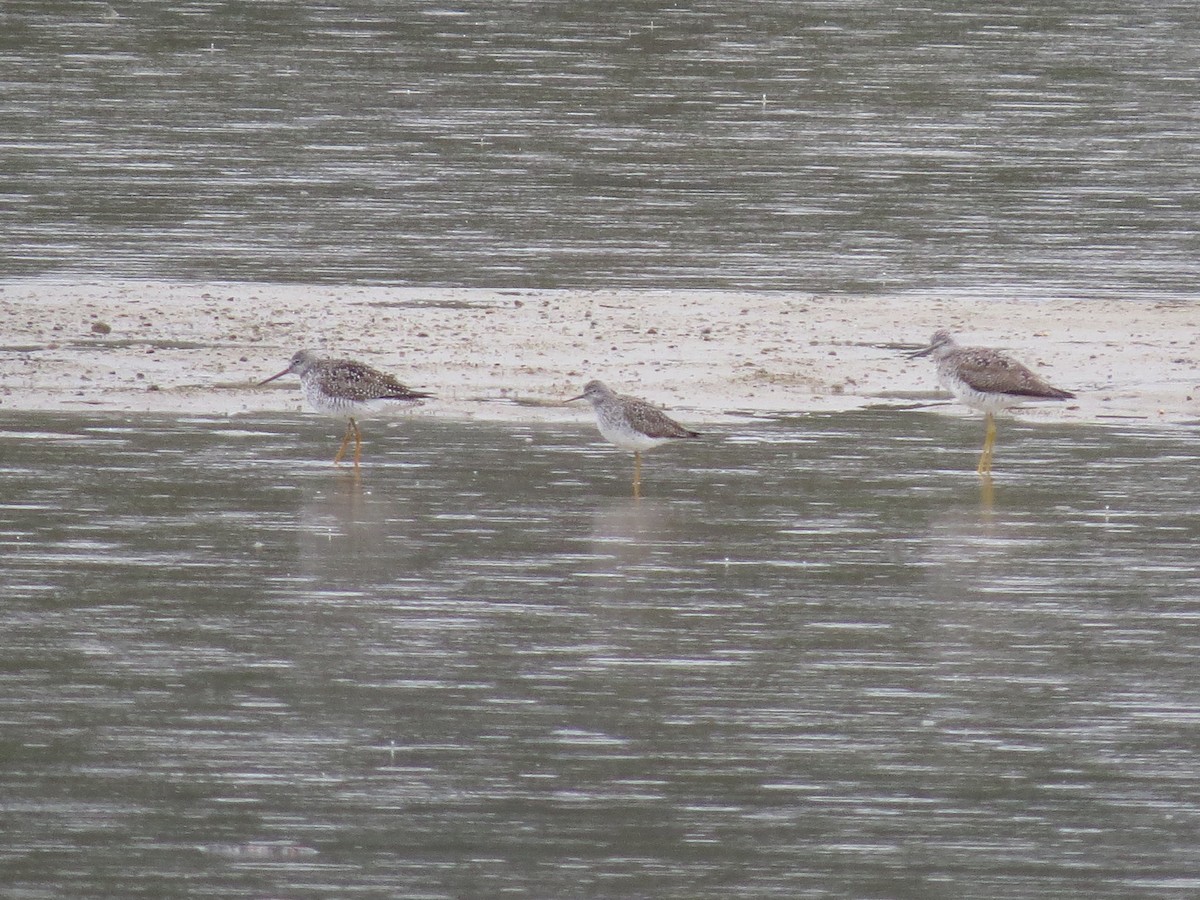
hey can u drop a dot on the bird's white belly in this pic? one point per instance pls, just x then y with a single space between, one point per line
332 405
984 401
321 402
620 433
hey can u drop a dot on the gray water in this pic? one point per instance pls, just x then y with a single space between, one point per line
815 660
1004 147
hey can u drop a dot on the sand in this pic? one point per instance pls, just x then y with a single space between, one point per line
514 355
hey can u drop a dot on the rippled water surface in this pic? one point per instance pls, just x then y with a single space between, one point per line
815 660
816 145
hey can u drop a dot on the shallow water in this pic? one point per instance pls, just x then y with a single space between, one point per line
1004 147
815 660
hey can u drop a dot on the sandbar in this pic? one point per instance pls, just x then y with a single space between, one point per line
191 348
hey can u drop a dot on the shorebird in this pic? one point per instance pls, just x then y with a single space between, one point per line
631 424
986 380
343 387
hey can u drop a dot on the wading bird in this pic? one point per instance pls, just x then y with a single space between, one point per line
631 424
986 380
343 387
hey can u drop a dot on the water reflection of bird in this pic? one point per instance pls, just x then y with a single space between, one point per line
626 532
986 380
631 424
343 387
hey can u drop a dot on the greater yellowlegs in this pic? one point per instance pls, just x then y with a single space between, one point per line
343 387
986 380
631 424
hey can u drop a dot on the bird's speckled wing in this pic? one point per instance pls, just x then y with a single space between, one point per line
347 378
993 372
653 422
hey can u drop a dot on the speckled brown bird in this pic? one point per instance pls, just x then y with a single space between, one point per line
631 424
986 380
343 387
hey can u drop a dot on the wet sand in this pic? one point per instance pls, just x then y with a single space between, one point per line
709 356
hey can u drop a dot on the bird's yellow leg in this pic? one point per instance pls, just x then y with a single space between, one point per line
357 443
637 474
350 426
989 446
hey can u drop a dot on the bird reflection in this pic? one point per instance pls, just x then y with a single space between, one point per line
987 492
344 526
625 530
973 546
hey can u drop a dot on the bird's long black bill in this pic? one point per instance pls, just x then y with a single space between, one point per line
272 378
